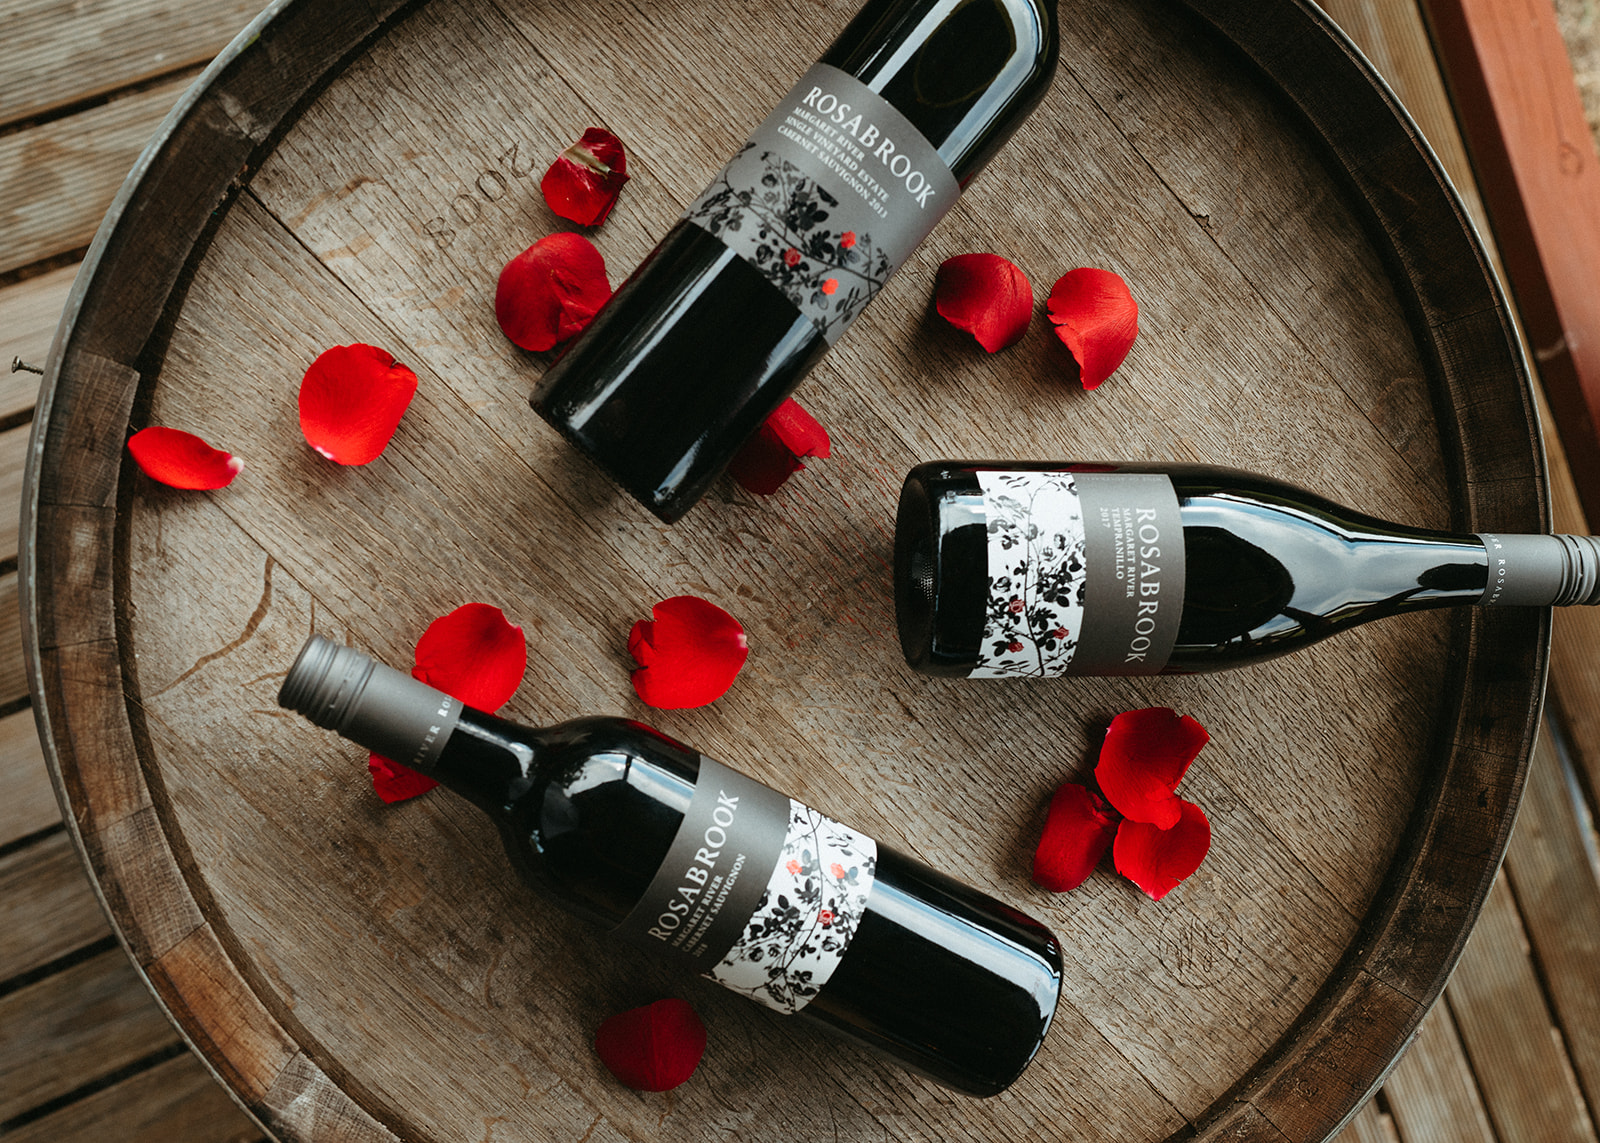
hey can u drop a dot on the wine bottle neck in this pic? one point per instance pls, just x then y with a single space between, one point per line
481 757
1540 571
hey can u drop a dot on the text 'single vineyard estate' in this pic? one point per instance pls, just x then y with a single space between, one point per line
794 237
683 855
1027 570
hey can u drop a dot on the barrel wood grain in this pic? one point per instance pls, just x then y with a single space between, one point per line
475 384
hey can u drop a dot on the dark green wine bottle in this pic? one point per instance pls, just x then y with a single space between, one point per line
691 859
1027 570
795 236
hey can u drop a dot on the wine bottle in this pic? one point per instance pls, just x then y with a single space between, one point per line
794 237
688 857
1025 570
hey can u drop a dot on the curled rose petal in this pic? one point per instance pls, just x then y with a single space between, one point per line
985 295
1156 860
351 402
653 1048
1096 318
773 454
551 291
1077 831
585 180
473 654
1145 755
688 655
182 459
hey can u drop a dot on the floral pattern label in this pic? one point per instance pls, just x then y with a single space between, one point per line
830 195
1086 573
757 891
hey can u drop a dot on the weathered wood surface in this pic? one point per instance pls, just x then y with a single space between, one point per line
232 873
1429 1096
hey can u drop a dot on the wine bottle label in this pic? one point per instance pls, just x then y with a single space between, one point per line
1086 574
831 194
757 891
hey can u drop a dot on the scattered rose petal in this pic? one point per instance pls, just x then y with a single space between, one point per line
773 454
985 295
351 402
182 459
1156 860
585 180
551 291
1079 827
1096 318
473 654
653 1048
688 655
1145 755
394 782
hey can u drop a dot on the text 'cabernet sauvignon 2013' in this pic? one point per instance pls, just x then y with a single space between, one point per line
794 237
1027 570
692 859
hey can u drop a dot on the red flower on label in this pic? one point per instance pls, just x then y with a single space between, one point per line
794 867
1014 647
825 917
773 454
1159 837
689 653
1096 318
1144 757
585 180
1016 606
830 286
473 654
351 401
1077 830
838 871
847 239
653 1048
182 460
1156 860
985 295
791 257
551 291
1060 633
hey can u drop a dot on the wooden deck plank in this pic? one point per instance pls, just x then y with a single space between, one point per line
29 312
1539 172
47 908
64 1031
1432 1093
1369 1126
177 1101
29 804
61 176
1509 1034
78 49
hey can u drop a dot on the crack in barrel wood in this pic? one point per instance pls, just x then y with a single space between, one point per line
1313 304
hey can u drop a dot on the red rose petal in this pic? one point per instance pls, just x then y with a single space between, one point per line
1097 319
1079 827
585 180
773 454
551 291
351 402
985 295
473 654
1156 860
182 459
688 655
394 782
653 1048
1145 755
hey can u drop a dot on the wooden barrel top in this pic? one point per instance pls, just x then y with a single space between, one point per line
1312 305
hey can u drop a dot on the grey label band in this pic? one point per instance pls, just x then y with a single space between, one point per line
1086 573
1539 570
402 719
833 191
757 891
